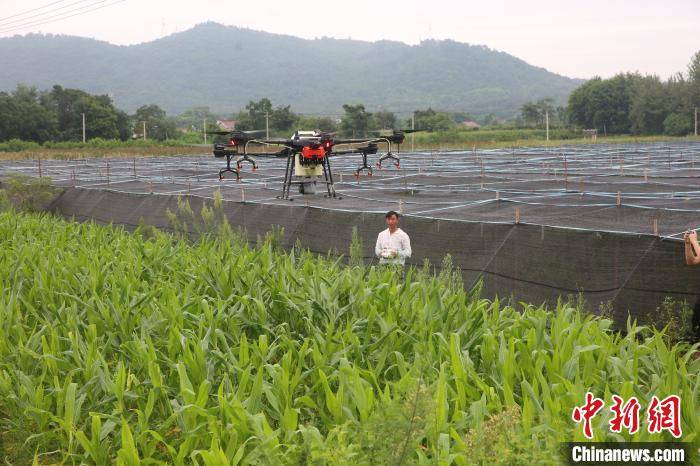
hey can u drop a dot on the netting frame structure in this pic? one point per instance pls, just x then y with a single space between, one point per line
629 273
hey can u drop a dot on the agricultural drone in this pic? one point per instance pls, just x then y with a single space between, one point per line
307 155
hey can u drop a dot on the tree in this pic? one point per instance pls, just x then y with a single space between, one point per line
489 119
158 125
694 80
648 109
677 125
385 120
535 113
194 118
257 111
325 124
356 119
430 120
103 120
22 116
530 113
603 104
282 119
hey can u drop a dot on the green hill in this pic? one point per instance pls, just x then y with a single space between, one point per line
225 67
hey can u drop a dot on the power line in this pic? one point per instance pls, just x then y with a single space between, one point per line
30 23
62 17
19 20
29 11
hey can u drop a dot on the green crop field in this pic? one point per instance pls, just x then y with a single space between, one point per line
146 348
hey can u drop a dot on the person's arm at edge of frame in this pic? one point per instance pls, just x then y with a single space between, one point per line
692 248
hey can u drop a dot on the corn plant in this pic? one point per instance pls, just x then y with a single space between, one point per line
131 348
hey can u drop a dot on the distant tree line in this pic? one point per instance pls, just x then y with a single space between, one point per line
57 115
356 119
632 103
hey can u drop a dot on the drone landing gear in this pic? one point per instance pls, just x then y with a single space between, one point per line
365 166
389 156
288 180
235 171
245 158
328 175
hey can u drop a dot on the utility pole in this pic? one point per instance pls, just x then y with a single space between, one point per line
144 130
546 119
413 127
267 125
84 125
205 130
696 121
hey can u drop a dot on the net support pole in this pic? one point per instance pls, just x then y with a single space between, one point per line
622 163
619 199
482 172
517 215
655 226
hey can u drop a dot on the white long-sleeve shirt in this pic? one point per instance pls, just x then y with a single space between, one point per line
388 242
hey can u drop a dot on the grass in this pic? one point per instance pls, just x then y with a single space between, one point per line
126 152
147 348
488 139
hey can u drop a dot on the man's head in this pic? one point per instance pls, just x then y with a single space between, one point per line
392 220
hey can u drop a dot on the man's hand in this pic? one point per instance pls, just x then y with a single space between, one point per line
690 236
389 253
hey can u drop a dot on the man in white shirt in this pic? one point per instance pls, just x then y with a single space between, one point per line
393 245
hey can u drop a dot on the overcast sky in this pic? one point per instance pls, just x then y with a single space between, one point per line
575 38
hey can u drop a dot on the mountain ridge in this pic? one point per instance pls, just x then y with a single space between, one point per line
224 67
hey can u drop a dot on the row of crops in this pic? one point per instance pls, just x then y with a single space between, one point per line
145 348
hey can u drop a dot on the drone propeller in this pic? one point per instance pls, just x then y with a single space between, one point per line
393 131
235 131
